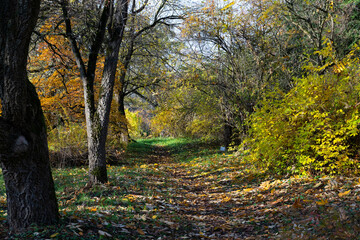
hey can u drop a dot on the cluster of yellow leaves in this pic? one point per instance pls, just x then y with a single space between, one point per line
312 125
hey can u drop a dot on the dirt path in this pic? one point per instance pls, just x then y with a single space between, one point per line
201 206
217 204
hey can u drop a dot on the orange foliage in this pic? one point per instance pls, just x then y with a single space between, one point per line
54 73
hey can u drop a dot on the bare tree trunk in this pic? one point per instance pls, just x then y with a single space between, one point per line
24 153
113 19
124 130
228 132
97 158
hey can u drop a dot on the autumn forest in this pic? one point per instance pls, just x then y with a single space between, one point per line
179 119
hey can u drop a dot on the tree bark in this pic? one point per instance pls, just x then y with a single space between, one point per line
124 130
113 18
99 130
228 132
123 125
24 153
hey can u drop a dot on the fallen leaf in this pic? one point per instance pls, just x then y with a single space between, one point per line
105 234
248 189
322 202
265 185
277 201
342 194
332 184
342 214
140 231
226 199
168 222
297 203
54 235
318 185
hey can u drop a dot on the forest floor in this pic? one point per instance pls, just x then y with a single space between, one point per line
180 189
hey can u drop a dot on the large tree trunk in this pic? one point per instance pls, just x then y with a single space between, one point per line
23 144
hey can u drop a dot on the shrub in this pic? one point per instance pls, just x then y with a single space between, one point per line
68 145
312 128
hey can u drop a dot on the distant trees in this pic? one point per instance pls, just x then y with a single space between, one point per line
247 48
23 143
233 44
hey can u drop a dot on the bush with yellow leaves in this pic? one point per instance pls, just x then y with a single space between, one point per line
315 126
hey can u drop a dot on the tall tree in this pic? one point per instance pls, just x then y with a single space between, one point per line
113 17
23 143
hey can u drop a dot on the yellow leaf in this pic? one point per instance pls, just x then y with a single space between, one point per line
342 194
322 202
227 6
154 217
54 235
272 191
248 189
93 210
265 185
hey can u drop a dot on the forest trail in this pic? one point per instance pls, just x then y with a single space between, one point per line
212 198
172 189
198 202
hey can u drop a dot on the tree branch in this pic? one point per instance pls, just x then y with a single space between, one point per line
134 12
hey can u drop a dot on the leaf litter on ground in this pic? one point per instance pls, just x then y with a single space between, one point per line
190 190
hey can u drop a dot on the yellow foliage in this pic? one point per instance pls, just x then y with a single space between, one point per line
314 126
